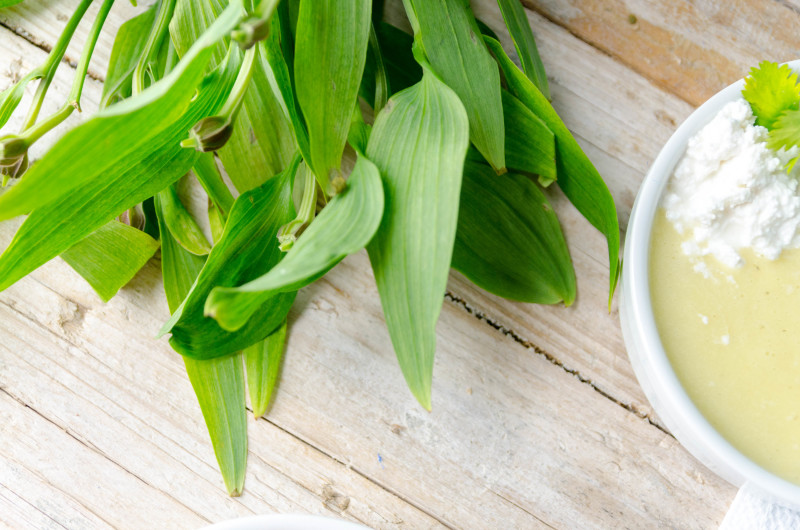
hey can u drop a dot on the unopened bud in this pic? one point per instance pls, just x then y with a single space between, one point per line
289 233
13 157
209 134
250 31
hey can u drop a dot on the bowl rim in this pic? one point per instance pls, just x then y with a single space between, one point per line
650 362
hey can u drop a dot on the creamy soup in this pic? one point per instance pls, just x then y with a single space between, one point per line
733 338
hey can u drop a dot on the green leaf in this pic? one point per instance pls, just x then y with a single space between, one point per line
343 227
418 143
179 267
110 257
577 177
262 143
248 249
113 161
785 133
219 387
9 3
207 173
451 40
10 97
771 90
280 56
263 363
401 68
530 144
128 47
509 241
218 383
191 19
520 30
332 37
182 225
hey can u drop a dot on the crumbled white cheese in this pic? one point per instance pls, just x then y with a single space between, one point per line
730 191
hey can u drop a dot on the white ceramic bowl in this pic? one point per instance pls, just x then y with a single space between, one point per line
644 347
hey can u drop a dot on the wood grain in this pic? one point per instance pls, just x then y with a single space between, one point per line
691 48
537 421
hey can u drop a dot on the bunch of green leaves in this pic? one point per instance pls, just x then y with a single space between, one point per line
773 93
451 166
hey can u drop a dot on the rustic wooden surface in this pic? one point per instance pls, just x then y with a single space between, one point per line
538 420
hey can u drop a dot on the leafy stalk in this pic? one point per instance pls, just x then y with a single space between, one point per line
213 132
31 132
148 58
48 69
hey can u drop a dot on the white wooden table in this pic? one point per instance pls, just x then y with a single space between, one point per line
537 418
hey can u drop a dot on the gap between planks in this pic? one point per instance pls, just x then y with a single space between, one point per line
72 63
478 314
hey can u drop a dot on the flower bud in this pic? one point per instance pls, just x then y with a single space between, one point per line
250 31
288 234
13 157
209 134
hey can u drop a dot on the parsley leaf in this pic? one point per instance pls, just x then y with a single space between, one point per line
785 133
771 90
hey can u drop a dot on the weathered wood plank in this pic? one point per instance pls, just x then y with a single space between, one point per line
42 21
692 48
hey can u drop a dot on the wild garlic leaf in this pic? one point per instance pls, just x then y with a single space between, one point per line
110 257
220 389
262 144
418 143
263 364
181 224
771 90
10 97
120 136
509 241
128 47
207 173
331 50
577 177
530 144
451 41
111 162
343 227
9 3
520 30
217 383
248 249
190 19
280 56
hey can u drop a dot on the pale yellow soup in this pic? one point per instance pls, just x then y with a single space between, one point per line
734 343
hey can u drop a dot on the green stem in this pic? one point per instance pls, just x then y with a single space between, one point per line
48 69
207 173
165 10
234 102
289 232
212 132
31 133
